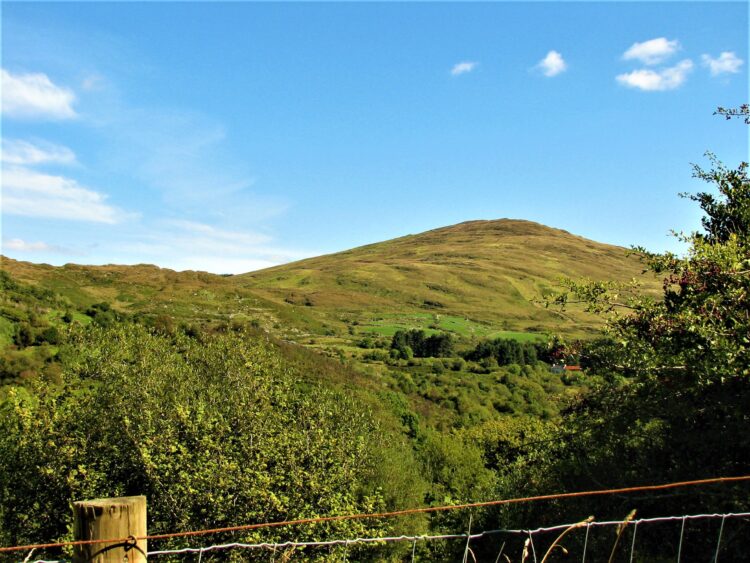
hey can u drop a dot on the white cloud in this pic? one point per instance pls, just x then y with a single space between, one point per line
189 245
21 245
17 151
653 51
553 64
219 239
652 81
463 67
728 62
186 157
34 194
35 96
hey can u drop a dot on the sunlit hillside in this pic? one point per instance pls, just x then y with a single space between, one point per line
476 276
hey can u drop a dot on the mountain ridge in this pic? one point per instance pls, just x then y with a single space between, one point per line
492 273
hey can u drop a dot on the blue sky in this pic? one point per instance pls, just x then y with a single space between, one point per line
232 136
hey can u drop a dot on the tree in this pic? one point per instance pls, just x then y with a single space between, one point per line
216 431
743 112
675 404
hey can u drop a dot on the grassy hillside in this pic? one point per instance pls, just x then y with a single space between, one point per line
476 279
187 297
482 278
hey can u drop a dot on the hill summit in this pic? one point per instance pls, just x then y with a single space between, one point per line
493 272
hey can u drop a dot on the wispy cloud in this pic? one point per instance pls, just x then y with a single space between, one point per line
30 193
727 62
653 51
17 151
553 64
35 96
463 67
186 157
208 240
215 237
190 245
20 245
654 81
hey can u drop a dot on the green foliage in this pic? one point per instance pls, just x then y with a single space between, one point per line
17 291
439 345
675 400
102 314
686 357
741 112
214 432
455 467
504 352
727 214
31 328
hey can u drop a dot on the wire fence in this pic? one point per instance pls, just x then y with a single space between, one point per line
381 515
534 549
530 536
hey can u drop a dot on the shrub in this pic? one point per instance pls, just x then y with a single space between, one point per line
214 433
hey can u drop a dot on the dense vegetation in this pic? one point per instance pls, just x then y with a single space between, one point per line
407 344
214 430
218 422
675 402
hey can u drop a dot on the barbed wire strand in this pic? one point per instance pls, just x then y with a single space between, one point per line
642 521
303 544
404 512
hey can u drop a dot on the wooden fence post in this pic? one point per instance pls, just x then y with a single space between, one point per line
110 518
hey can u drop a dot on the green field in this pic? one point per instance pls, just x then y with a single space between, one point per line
387 324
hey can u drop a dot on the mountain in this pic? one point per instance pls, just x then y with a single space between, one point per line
474 277
479 278
475 280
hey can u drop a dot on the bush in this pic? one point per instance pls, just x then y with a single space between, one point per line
458 364
214 433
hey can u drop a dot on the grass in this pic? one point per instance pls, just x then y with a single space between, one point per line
390 330
7 329
387 324
479 279
519 336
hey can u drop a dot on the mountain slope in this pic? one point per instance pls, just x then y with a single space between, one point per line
487 272
480 278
